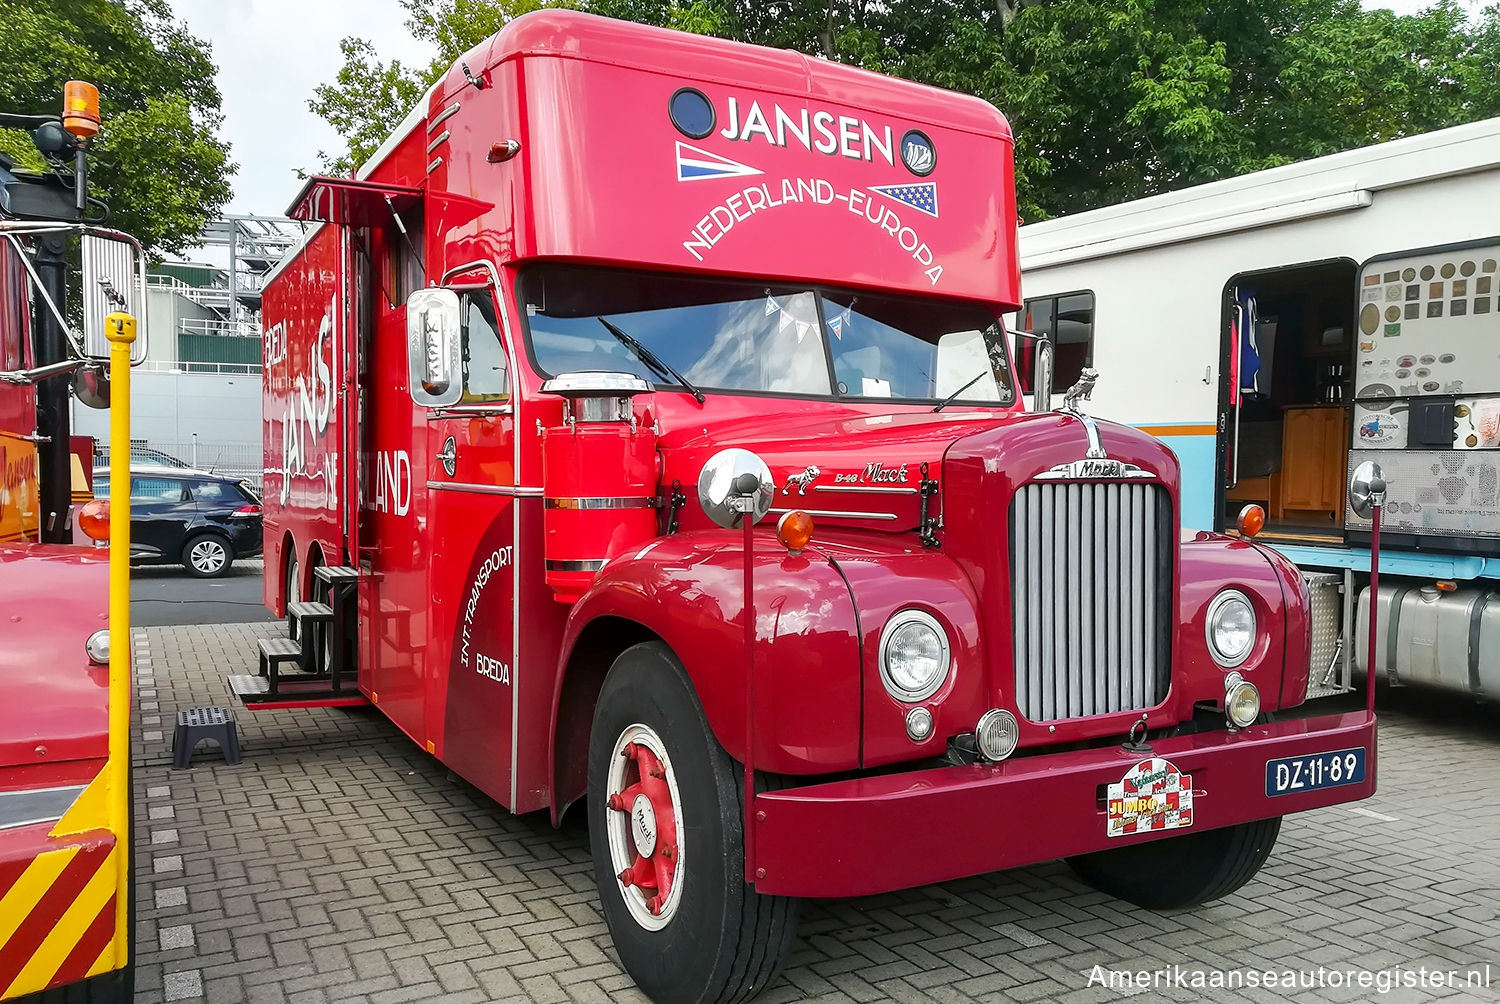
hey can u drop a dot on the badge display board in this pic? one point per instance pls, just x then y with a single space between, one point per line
1429 347
1430 324
1451 493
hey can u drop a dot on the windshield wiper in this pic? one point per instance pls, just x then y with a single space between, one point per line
651 359
954 396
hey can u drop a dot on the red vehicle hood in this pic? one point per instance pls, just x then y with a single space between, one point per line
54 704
868 466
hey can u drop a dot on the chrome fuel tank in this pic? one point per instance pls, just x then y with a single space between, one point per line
1429 637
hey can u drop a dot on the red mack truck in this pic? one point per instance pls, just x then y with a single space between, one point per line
610 295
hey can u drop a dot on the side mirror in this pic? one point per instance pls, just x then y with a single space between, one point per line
1366 489
91 385
1041 380
433 353
114 278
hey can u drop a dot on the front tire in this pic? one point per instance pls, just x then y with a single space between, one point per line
207 556
669 815
1184 871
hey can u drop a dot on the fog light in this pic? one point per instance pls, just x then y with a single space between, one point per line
918 724
997 734
97 647
1241 701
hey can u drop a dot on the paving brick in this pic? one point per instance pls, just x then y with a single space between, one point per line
340 862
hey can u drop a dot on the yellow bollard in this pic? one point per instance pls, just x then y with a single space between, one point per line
120 328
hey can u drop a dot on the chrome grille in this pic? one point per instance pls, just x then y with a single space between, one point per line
1091 566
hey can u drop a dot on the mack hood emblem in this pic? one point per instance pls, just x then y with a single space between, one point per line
1092 468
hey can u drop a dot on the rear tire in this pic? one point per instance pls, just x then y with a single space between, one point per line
1183 871
712 936
207 556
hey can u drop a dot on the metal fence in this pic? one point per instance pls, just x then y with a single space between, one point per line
238 460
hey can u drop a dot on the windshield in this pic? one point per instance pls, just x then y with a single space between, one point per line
733 335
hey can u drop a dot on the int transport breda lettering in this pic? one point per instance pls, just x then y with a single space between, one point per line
739 207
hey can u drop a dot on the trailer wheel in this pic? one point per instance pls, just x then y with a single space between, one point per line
666 816
1181 871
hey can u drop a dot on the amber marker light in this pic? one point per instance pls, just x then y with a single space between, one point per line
795 530
93 519
81 108
1445 586
1252 520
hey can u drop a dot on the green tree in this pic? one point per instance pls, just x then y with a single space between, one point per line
1110 100
158 162
368 97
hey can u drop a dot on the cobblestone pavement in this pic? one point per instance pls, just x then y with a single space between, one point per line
340 862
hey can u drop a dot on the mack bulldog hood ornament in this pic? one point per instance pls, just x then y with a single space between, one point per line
1083 390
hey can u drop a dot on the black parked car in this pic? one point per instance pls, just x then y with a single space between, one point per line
181 516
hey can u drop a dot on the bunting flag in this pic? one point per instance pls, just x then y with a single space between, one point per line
786 320
837 323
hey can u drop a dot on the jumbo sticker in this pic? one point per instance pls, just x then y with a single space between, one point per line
1153 795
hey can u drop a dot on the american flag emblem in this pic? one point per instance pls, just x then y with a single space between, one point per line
694 164
921 196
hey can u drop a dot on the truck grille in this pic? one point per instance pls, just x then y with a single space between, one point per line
1091 569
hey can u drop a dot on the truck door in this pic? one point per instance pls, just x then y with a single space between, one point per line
472 487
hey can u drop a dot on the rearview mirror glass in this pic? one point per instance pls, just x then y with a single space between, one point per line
1042 377
113 280
433 352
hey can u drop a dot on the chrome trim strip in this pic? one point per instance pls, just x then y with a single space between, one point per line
465 486
472 409
437 119
436 161
589 565
37 805
876 489
441 138
599 502
839 513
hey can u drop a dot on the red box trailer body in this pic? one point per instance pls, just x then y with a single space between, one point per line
509 380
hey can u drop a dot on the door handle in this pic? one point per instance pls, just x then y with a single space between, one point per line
448 457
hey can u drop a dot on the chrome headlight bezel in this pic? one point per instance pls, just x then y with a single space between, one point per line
97 647
1216 610
897 621
1236 686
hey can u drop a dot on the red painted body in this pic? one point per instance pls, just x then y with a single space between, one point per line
463 642
54 714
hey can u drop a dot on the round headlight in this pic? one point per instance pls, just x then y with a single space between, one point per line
1241 702
913 656
997 734
1231 628
98 647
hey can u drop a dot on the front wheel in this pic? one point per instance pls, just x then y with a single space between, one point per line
1183 871
666 819
207 556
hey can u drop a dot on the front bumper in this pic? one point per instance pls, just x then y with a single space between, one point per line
875 834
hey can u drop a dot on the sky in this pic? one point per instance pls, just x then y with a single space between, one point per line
272 53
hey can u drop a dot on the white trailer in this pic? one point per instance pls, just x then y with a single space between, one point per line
1278 328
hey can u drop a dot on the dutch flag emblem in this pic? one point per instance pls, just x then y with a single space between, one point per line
694 164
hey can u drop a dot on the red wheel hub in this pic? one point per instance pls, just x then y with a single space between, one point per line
653 827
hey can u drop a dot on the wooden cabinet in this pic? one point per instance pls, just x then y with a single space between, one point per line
1314 443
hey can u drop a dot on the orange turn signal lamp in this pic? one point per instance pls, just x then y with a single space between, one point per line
80 108
795 530
1446 586
1252 520
93 519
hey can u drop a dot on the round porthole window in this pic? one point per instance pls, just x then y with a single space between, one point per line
691 112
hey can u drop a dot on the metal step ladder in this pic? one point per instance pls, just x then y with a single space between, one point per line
315 665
